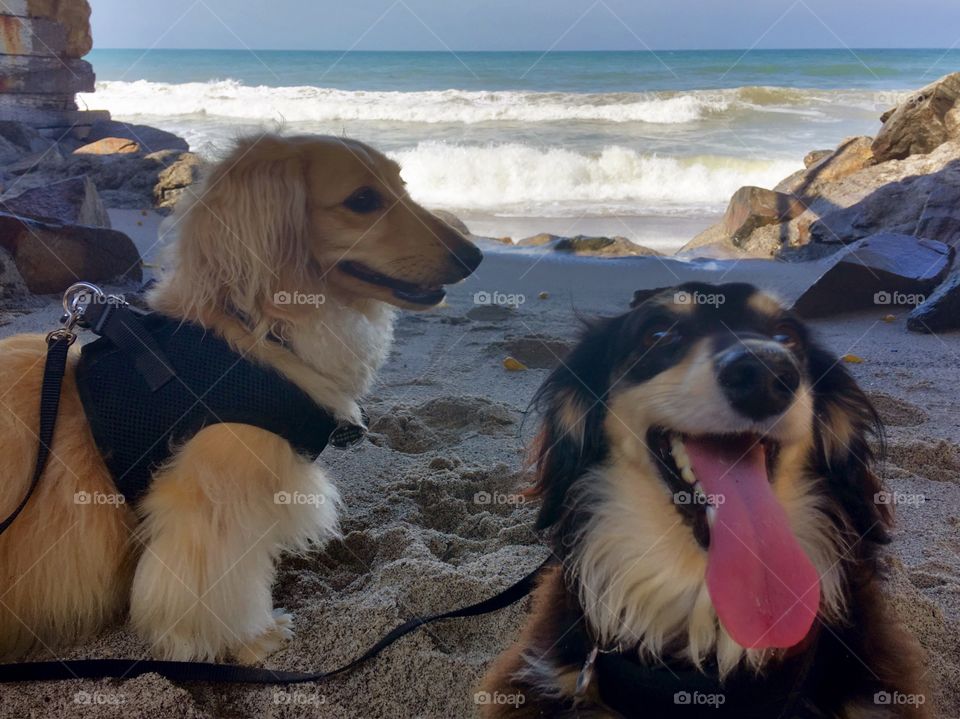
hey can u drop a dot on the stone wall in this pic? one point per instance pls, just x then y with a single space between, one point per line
41 70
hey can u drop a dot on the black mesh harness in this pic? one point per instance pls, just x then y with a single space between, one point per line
150 383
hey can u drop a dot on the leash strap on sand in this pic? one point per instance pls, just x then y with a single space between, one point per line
58 345
235 674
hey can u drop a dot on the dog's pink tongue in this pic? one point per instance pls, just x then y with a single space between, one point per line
762 584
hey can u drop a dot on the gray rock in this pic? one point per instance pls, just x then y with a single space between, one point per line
13 290
72 201
941 311
586 246
50 257
882 270
22 73
922 123
49 159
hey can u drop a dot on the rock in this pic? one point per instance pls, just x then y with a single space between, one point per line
814 156
149 138
851 155
72 201
13 290
175 178
23 136
32 36
922 123
452 220
753 207
109 146
941 310
22 73
50 257
73 15
883 270
49 159
585 246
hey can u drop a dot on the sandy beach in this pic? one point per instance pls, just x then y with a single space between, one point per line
431 520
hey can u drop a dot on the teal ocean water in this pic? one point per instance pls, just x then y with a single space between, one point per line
527 134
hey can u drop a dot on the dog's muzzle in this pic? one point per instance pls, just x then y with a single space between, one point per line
759 378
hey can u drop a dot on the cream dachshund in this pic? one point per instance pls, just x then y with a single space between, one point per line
193 561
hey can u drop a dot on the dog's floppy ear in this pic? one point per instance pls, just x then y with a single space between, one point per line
572 402
845 421
244 233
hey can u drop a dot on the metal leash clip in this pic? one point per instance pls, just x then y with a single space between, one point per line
74 307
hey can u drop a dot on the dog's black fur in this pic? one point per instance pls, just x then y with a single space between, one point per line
843 664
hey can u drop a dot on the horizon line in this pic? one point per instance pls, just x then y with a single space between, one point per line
532 50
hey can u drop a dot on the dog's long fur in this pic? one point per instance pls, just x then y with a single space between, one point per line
632 571
194 562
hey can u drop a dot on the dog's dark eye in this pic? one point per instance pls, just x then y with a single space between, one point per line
660 334
364 200
788 335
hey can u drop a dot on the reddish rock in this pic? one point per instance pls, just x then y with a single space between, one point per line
50 257
74 15
109 146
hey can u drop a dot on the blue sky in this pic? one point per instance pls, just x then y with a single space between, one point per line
525 24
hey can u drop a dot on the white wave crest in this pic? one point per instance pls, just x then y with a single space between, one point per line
229 98
515 177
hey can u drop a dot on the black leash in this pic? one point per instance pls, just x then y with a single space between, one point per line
235 674
58 345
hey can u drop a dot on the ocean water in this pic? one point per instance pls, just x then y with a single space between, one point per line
526 134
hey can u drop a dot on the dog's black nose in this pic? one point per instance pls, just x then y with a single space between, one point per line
469 257
759 381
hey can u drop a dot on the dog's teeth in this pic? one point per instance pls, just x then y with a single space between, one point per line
711 515
679 453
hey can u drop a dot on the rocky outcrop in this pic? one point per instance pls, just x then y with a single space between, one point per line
584 246
109 146
41 43
50 256
72 201
923 122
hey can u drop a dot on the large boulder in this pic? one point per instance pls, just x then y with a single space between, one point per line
750 209
941 310
922 123
13 290
50 257
883 270
72 201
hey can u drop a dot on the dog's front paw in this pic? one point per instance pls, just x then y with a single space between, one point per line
258 648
